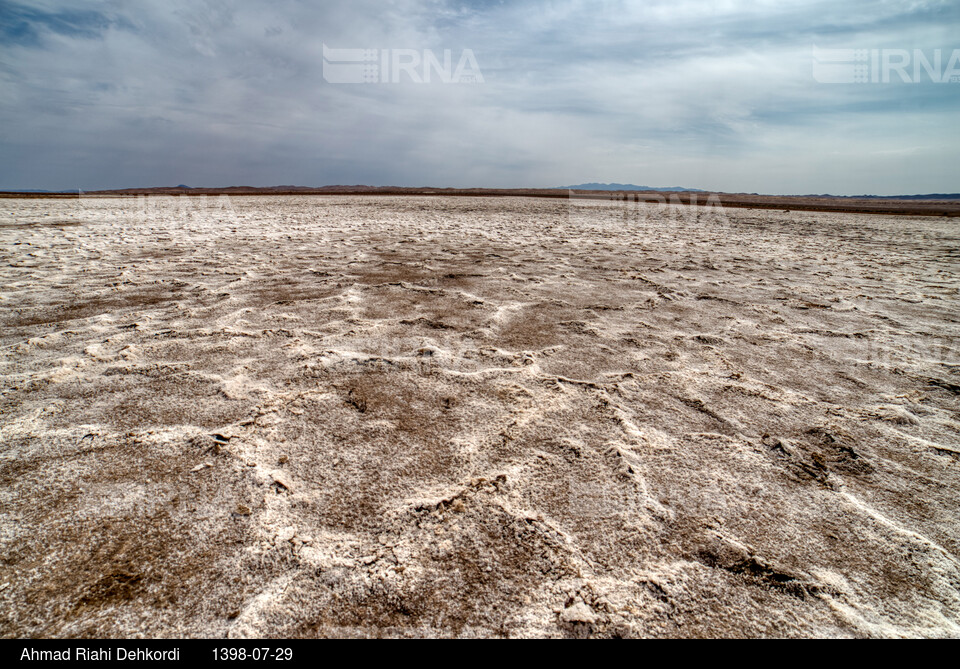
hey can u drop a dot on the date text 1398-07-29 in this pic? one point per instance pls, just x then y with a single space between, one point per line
241 654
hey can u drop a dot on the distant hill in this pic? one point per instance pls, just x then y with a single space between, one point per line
596 186
37 190
929 196
935 204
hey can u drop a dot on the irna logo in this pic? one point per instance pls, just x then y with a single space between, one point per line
884 66
394 66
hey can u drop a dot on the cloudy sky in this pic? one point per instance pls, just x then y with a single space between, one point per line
713 94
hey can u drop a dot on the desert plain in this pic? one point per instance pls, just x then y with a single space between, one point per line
371 415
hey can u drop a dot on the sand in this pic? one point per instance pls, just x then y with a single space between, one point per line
401 416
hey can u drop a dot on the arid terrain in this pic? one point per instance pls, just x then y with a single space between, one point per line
947 205
369 415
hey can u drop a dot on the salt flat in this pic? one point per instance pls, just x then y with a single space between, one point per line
422 416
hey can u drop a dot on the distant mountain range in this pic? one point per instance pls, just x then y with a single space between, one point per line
432 190
684 189
928 196
37 190
596 186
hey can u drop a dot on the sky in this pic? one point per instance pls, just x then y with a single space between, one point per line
722 95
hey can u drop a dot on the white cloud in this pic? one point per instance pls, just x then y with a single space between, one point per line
705 94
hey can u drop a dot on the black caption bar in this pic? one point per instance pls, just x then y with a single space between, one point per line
161 651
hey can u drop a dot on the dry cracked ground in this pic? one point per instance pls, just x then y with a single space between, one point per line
411 416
